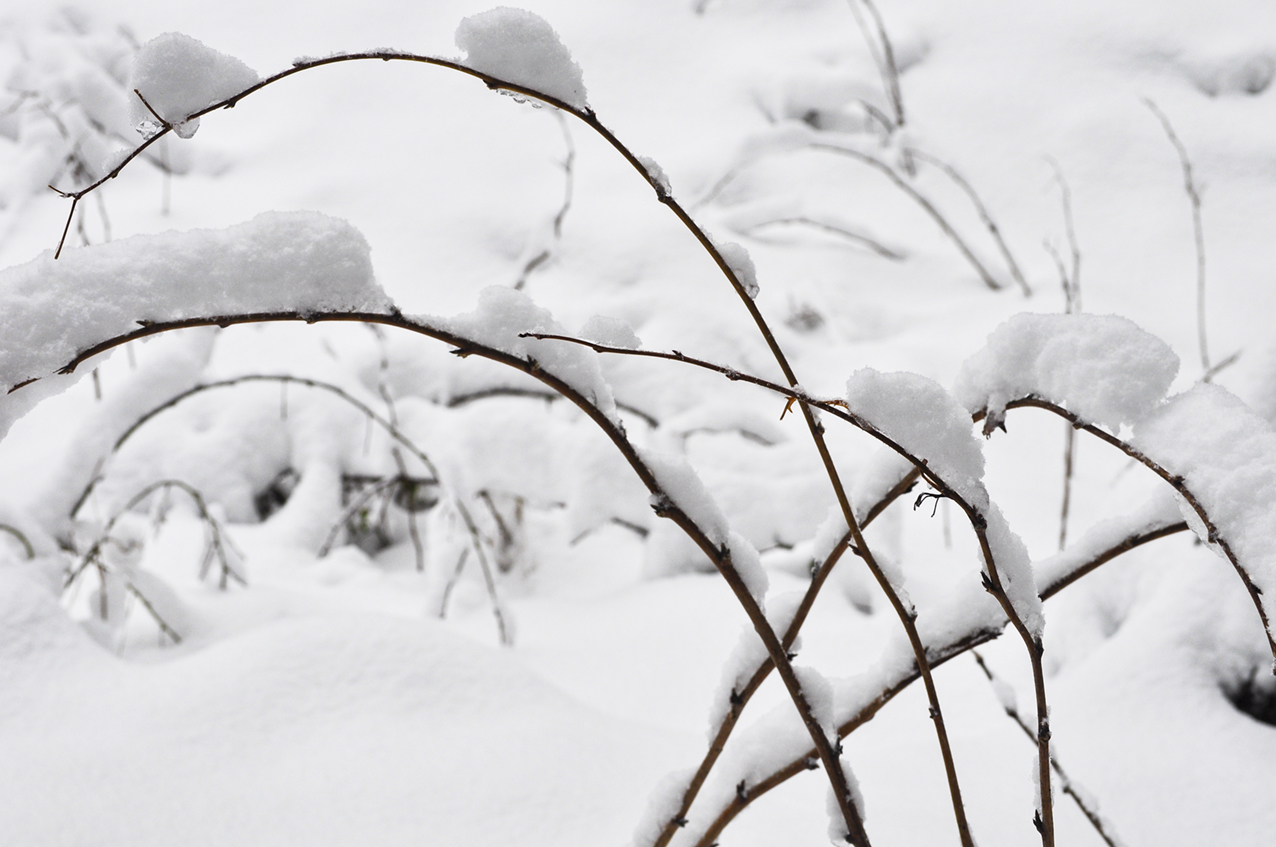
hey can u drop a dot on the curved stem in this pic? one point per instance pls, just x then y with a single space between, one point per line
1176 482
720 555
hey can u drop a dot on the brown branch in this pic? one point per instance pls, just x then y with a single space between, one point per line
1176 482
740 697
1065 782
720 555
939 654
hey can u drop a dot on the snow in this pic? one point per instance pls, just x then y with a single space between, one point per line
505 315
682 488
299 262
1226 454
1103 368
179 76
918 415
326 702
610 332
737 258
521 47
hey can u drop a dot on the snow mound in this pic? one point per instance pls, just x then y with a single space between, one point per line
1226 454
522 48
179 76
1101 367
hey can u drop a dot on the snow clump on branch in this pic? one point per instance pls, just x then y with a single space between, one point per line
1103 368
927 423
520 47
179 76
295 262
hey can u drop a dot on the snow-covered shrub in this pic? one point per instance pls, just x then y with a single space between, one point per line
530 423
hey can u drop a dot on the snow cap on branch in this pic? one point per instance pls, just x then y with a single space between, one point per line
922 418
502 320
297 262
179 76
1103 368
522 48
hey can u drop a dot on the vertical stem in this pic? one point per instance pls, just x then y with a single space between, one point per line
1069 444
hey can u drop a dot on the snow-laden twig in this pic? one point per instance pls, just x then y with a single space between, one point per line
1179 484
717 551
896 680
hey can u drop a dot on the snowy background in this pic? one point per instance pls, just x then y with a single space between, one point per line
322 675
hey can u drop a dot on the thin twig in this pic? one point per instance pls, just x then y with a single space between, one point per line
982 210
1194 195
569 171
1066 784
879 45
922 200
856 237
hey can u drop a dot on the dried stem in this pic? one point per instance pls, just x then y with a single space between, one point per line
569 173
1176 482
982 210
879 45
720 556
21 537
1069 445
855 237
740 697
958 644
921 199
1066 785
1194 195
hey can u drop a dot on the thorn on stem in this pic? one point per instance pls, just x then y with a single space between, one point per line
742 792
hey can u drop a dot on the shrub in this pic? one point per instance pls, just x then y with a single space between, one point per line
1103 375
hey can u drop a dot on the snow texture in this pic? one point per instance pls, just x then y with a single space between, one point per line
1160 511
656 173
1103 368
741 264
301 262
663 803
520 47
179 76
747 563
504 314
1226 454
837 825
610 332
917 414
819 696
682 487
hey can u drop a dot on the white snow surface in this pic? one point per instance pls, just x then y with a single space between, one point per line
1226 454
179 75
1103 368
521 47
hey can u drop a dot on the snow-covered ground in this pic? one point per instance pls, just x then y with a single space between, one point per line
390 595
